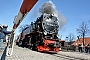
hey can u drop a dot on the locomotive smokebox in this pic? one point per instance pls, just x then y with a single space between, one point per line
50 24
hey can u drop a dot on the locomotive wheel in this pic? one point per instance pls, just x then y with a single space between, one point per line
30 45
34 48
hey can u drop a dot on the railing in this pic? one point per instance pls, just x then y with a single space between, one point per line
10 44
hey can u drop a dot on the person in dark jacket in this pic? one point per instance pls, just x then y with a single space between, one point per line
3 33
89 48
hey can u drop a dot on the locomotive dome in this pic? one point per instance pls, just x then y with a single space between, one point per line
50 23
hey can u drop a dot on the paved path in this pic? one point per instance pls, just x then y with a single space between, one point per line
27 54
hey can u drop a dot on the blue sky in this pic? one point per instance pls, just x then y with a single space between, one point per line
75 11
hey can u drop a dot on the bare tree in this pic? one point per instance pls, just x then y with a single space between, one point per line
89 21
83 30
71 38
89 26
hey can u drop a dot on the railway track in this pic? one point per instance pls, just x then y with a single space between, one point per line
64 57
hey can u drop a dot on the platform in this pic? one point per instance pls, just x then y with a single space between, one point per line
27 54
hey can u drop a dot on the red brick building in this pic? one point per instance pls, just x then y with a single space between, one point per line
80 41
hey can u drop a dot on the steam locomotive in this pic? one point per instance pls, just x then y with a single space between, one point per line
41 35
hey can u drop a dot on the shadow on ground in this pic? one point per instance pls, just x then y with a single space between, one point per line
4 54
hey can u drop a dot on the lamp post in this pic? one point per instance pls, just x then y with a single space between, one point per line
67 43
67 40
78 38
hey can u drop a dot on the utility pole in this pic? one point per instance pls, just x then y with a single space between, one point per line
83 38
67 40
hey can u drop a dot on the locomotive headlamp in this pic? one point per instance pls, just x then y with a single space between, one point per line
52 14
50 24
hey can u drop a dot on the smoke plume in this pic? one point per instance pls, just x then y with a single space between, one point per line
50 8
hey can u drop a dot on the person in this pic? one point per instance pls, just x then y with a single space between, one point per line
79 49
3 34
4 29
86 48
89 48
82 47
67 47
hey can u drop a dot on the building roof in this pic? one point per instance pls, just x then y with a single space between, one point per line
80 41
62 40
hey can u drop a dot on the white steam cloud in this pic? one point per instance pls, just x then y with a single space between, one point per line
50 8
